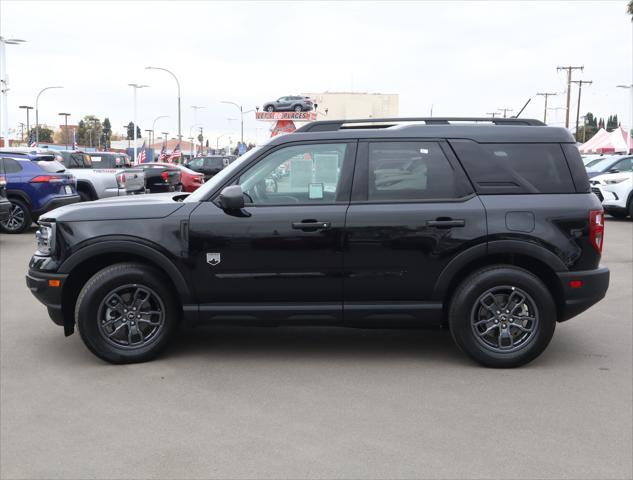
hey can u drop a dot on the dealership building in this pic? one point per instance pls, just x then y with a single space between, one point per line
344 105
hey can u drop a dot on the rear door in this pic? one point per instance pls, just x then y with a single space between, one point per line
412 211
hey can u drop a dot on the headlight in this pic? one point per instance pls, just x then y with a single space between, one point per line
45 237
615 180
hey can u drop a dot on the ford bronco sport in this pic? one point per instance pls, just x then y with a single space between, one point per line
485 226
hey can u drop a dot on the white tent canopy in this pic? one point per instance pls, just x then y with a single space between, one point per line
617 141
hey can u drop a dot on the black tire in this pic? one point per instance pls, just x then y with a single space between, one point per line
496 283
298 108
630 207
269 108
20 217
85 196
94 317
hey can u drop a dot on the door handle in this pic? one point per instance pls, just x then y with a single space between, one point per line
311 225
445 223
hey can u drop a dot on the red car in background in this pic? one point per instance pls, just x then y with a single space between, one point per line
189 179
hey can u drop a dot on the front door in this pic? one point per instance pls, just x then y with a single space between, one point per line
281 258
412 211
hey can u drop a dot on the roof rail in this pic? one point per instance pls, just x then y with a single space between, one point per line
333 125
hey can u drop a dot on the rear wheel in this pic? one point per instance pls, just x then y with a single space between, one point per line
19 218
502 316
126 314
298 108
85 196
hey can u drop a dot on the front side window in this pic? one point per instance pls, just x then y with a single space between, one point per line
625 165
196 163
409 171
300 174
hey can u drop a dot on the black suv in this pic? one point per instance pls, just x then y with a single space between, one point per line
485 226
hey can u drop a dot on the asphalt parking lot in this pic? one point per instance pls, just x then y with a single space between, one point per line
316 402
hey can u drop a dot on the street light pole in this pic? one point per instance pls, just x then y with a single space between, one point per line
37 115
135 86
190 146
241 118
154 128
4 87
65 115
178 85
28 125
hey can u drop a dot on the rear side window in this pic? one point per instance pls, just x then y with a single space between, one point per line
9 165
515 167
409 171
51 166
213 163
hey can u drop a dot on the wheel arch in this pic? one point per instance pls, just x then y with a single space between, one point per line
535 259
87 261
88 187
20 195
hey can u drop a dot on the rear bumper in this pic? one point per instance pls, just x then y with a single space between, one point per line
57 202
51 297
576 300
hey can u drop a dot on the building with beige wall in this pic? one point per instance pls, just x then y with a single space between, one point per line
346 105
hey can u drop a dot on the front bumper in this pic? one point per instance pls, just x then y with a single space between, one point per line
57 202
41 286
576 300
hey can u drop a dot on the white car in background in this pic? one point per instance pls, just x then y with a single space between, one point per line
615 191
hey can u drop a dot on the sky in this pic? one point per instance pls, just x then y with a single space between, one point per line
459 58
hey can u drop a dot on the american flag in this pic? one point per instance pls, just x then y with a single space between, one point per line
32 142
74 140
163 154
175 155
142 155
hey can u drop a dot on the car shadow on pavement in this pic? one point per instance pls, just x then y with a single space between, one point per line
326 342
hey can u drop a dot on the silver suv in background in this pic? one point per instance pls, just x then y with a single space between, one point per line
291 103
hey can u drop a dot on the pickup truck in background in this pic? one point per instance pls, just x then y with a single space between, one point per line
93 184
161 177
134 176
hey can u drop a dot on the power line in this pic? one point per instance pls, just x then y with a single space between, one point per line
504 110
546 95
569 70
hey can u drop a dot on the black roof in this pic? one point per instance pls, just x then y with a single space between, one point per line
484 130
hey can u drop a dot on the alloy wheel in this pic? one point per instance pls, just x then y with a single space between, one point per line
16 218
504 319
131 316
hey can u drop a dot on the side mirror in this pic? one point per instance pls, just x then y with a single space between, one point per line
232 198
614 170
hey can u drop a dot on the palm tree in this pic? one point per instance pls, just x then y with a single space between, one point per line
630 9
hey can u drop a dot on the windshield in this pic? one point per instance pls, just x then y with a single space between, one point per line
219 178
600 165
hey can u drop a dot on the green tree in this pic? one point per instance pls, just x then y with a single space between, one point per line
630 9
107 132
130 131
89 131
46 134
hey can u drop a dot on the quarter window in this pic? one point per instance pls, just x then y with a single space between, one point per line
408 171
10 166
300 174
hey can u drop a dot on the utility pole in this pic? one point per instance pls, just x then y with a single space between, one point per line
504 110
492 114
65 115
580 84
546 95
201 138
569 70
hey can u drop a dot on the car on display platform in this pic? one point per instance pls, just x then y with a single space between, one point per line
190 180
161 177
292 103
487 227
33 188
609 164
615 191
210 165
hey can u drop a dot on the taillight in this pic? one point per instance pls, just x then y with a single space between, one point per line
120 180
596 229
3 181
197 179
46 179
164 175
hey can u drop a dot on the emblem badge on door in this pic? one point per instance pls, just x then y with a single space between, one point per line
213 259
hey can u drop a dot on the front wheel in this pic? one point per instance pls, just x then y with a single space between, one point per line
298 109
270 108
502 316
126 314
